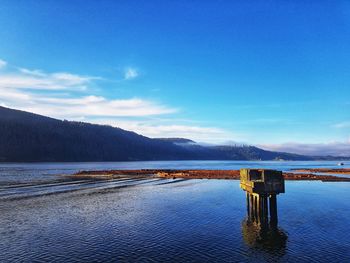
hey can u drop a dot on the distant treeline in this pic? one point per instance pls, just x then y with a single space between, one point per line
27 137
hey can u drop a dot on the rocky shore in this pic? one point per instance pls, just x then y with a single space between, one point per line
304 174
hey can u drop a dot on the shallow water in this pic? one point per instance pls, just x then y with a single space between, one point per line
167 220
11 173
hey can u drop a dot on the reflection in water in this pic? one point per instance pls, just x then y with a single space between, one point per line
257 235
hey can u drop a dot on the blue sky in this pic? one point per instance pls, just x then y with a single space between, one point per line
270 73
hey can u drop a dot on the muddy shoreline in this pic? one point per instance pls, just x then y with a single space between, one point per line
296 175
323 170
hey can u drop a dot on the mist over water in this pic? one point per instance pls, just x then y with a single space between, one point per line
46 219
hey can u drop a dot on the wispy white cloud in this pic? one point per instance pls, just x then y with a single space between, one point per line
3 63
35 79
50 94
340 125
98 106
319 149
32 90
34 72
130 73
166 130
74 107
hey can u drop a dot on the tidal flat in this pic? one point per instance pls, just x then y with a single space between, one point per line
300 174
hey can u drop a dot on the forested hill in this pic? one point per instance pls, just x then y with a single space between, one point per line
28 137
31 137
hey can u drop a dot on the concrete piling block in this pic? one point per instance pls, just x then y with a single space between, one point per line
260 186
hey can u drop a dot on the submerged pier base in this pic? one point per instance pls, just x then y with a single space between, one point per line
262 187
262 208
260 228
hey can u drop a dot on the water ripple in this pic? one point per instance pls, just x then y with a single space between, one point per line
160 220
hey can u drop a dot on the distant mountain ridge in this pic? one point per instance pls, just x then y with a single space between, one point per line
28 137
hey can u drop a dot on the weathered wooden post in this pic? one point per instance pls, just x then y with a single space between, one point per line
260 185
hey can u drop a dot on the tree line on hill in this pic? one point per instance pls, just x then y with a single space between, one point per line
28 137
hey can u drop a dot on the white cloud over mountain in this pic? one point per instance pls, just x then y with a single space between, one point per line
165 129
50 94
71 96
65 95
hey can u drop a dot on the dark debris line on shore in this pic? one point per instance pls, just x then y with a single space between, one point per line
307 174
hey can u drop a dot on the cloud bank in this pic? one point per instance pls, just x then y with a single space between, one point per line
320 149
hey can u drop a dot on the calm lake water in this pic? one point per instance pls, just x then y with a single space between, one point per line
45 218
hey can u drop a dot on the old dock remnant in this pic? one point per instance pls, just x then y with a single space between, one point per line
262 185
